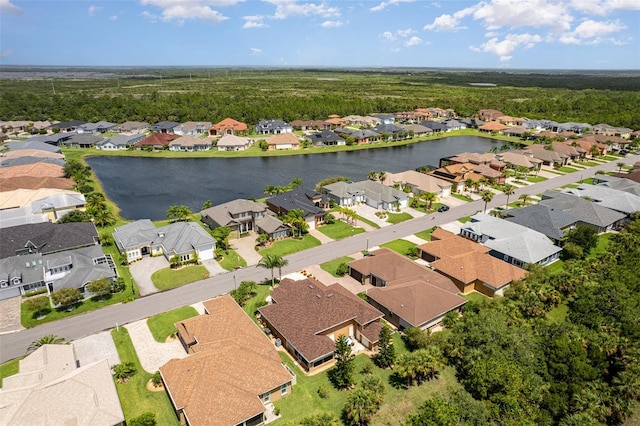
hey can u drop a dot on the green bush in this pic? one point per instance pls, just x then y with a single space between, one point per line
145 419
342 269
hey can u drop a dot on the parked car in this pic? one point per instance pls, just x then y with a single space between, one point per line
624 152
443 208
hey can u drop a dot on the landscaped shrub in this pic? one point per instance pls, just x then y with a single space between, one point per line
342 269
323 392
145 419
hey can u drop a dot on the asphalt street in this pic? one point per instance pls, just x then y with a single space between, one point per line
13 345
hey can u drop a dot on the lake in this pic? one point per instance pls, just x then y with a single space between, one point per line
146 187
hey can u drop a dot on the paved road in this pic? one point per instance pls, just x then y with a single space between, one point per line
13 345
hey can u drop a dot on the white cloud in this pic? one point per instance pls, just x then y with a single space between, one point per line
256 52
254 21
591 32
150 16
525 13
413 41
388 35
7 7
332 24
287 8
181 10
93 9
113 17
448 22
384 4
604 7
6 52
405 33
505 48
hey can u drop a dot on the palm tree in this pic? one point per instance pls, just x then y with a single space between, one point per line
594 151
486 196
524 198
272 261
382 176
468 184
296 182
269 190
508 190
360 407
483 182
429 197
372 175
49 339
620 166
282 262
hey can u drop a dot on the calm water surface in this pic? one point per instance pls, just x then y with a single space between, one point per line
146 187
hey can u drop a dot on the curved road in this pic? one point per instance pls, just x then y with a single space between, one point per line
13 345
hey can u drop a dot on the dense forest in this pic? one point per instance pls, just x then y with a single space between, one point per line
250 95
523 364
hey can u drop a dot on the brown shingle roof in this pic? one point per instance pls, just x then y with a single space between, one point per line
34 170
33 182
451 246
283 139
157 139
303 309
416 301
469 267
233 364
229 124
492 126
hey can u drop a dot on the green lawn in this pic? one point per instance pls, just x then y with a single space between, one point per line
231 260
168 278
461 197
401 246
332 265
134 396
162 325
28 318
368 222
425 235
257 299
556 267
291 245
339 230
397 404
9 368
465 219
587 163
398 217
555 172
475 297
603 243
536 179
565 169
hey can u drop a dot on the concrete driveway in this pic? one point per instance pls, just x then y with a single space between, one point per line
142 270
10 315
245 247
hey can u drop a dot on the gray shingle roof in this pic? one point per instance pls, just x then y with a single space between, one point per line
31 144
46 238
583 210
178 238
223 214
543 219
614 199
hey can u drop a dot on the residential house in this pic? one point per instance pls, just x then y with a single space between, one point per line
20 216
184 240
14 126
620 182
54 203
457 174
334 121
393 131
244 216
548 221
374 194
194 128
55 139
81 140
308 317
99 127
309 201
435 126
190 143
31 144
47 238
70 268
468 264
156 141
515 131
408 294
120 142
600 218
359 136
548 157
362 121
608 130
415 116
511 121
305 125
419 183
273 127
577 128
492 127
164 127
510 242
620 201
133 127
472 122
325 138
489 114
22 160
228 126
42 125
67 126
477 159
385 118
417 129
453 124
233 143
283 141
39 392
231 372
442 113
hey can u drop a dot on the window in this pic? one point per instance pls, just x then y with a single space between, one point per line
284 389
266 398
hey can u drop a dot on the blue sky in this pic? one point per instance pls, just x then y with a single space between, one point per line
516 34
